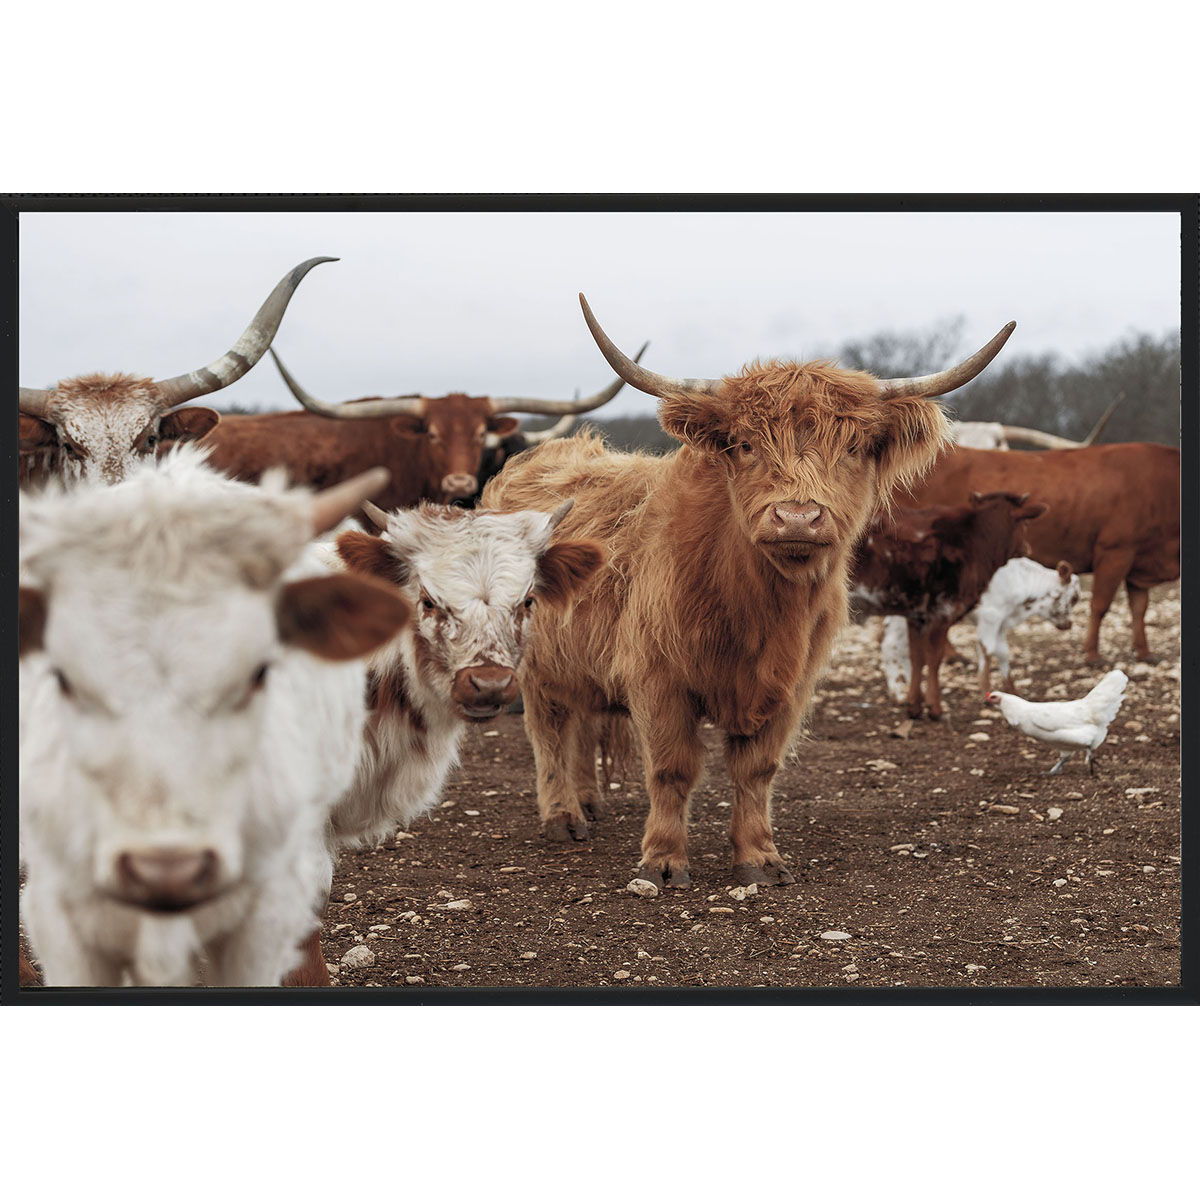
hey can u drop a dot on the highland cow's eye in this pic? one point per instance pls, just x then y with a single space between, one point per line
71 450
528 601
152 440
427 604
746 448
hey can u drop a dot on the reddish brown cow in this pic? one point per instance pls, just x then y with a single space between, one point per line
1114 511
434 448
725 584
931 566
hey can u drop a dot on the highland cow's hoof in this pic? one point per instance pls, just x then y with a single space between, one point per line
563 827
593 810
768 875
666 877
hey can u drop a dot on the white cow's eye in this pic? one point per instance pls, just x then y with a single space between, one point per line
259 677
528 601
64 684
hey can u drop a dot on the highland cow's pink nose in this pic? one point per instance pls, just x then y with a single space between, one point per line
459 487
799 520
165 879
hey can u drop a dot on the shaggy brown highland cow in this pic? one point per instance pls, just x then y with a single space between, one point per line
725 584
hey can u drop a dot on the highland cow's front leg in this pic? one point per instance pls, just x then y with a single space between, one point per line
753 762
564 752
674 758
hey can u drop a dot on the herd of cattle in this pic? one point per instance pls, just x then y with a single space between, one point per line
233 663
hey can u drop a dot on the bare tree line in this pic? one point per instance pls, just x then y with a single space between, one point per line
1039 391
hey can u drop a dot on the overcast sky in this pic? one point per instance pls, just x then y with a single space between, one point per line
486 303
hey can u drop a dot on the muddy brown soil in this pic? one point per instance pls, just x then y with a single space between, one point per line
896 841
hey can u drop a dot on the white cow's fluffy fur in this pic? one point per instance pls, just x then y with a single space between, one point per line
161 593
479 568
1021 590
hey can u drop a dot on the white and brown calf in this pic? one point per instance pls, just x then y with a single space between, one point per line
475 580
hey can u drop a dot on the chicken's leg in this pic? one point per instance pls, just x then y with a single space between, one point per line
1058 766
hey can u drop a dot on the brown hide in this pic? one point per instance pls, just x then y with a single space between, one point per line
932 565
419 451
1114 511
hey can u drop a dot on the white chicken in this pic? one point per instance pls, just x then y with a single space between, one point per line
1068 724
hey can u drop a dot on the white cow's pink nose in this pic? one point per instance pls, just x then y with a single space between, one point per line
167 880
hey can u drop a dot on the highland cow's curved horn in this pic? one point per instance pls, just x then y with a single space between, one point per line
34 402
391 406
1038 437
337 502
507 404
942 382
246 351
560 428
646 381
378 517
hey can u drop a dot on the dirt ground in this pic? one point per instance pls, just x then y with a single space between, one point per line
899 842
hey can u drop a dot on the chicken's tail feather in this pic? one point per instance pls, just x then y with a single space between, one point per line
1104 700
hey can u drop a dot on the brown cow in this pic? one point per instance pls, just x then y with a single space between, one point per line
98 426
1114 511
931 566
725 584
434 448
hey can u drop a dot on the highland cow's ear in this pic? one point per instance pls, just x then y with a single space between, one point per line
187 424
915 433
701 422
564 568
369 555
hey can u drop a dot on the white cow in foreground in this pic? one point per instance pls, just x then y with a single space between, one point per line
192 710
1021 590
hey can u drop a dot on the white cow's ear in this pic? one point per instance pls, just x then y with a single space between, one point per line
31 620
340 617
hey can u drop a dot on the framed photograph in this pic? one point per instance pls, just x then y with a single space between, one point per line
600 599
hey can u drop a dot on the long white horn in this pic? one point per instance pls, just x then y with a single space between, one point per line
350 409
942 382
334 503
1037 437
507 404
246 351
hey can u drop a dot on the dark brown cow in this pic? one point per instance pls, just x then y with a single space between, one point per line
433 447
1114 512
931 566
